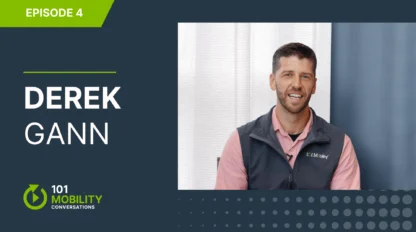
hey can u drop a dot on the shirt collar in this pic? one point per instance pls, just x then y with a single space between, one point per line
278 127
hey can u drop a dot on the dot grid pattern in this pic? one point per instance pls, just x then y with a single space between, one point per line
295 211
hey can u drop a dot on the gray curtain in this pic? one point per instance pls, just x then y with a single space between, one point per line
373 98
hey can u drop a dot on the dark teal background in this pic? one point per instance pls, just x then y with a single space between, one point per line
137 172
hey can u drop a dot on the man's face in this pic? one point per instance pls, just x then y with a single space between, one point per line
294 83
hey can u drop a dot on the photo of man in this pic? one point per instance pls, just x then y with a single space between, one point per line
290 147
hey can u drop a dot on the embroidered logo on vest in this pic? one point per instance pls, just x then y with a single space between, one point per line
316 155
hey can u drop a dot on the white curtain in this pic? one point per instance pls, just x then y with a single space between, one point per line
223 74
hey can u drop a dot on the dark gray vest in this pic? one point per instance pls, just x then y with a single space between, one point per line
267 165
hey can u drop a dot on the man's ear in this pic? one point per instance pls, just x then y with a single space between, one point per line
272 82
314 86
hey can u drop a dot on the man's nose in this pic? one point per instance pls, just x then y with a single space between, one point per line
296 82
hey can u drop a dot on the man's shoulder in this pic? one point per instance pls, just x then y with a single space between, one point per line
257 123
329 128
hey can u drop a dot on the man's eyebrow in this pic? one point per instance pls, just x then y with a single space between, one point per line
307 73
283 71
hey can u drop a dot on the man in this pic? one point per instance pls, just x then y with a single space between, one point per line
290 147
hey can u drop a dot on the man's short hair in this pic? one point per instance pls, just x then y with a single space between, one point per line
294 49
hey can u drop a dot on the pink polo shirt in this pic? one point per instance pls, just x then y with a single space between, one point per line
232 174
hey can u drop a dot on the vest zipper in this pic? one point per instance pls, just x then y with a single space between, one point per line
279 151
290 180
282 154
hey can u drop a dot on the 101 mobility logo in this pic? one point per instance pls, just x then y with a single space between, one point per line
60 199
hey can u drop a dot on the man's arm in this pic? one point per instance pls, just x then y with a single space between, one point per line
347 174
231 173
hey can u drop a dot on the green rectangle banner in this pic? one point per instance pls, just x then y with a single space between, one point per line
53 13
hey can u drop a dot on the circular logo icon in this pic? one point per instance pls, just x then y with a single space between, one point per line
32 188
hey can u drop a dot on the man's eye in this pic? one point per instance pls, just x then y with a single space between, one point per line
286 74
305 76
